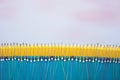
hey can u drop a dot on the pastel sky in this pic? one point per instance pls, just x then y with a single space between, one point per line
56 21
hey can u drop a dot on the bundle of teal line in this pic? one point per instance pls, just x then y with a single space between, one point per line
58 67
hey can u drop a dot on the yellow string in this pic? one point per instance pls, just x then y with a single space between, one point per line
60 50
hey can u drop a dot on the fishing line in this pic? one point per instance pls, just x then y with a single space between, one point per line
86 61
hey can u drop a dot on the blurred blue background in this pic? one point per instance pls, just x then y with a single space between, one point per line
58 70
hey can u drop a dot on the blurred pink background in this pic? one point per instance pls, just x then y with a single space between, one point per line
56 21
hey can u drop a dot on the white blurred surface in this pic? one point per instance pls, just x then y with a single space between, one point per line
56 21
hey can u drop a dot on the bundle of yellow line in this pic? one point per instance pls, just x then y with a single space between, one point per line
108 51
